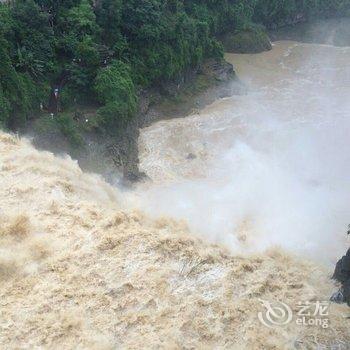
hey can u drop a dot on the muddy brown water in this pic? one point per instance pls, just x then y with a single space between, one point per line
78 269
274 160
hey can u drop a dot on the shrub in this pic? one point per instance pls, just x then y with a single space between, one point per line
12 89
60 125
4 109
116 91
69 129
138 42
250 40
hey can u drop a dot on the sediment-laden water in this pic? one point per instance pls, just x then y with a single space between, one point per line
267 168
86 266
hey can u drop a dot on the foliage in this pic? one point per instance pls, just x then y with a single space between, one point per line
32 38
58 126
13 86
277 13
4 108
69 129
116 91
250 40
101 52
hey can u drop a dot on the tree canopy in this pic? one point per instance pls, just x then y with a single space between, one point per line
102 52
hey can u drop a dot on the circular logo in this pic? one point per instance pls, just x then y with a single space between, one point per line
279 314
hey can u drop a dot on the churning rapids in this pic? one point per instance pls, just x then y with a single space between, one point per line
243 194
268 168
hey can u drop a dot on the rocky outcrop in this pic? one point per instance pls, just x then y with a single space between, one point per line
342 275
222 71
194 90
213 80
117 153
252 40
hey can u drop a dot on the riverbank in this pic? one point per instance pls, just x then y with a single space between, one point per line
116 157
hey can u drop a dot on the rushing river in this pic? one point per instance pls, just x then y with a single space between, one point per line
78 269
270 167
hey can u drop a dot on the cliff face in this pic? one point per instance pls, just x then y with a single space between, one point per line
79 270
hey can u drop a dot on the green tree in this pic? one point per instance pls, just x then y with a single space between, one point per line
101 52
116 92
4 109
14 99
77 47
34 51
109 17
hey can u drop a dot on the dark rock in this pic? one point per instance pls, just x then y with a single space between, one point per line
220 70
342 269
253 40
342 275
346 291
338 297
191 156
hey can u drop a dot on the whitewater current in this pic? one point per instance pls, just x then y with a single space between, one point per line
188 260
266 168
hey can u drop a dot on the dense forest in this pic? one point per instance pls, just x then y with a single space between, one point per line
101 53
